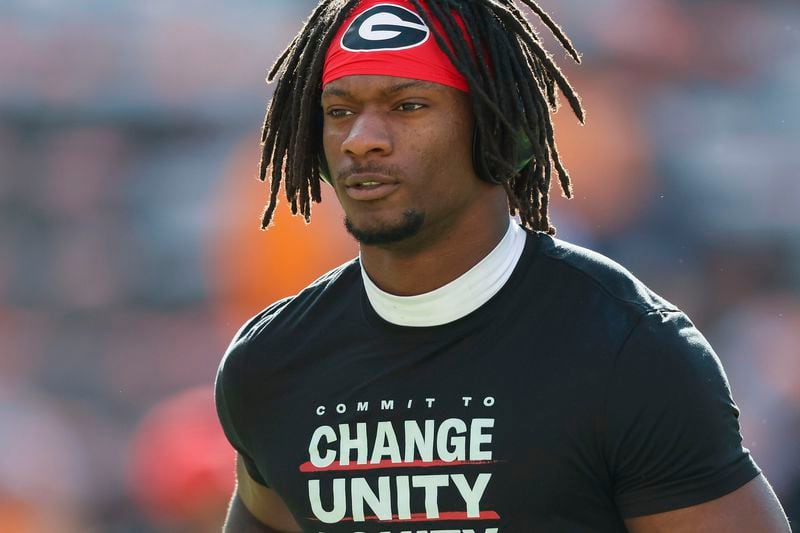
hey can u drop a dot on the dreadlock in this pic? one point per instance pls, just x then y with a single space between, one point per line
513 84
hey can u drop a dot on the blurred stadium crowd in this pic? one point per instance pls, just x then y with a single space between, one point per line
130 249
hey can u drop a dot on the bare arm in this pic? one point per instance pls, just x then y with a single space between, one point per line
257 509
240 520
753 507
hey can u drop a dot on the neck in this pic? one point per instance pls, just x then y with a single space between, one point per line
439 254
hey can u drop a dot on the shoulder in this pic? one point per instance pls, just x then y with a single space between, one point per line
294 311
654 329
668 424
267 343
320 301
598 302
582 269
672 435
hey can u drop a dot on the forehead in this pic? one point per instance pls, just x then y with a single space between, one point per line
366 86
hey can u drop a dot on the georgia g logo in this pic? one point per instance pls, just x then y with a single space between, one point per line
385 27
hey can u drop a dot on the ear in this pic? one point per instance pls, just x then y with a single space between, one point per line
523 154
324 170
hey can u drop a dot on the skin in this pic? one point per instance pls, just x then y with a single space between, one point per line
420 136
255 508
753 507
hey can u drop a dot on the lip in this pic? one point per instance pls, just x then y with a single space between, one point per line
384 186
369 194
357 178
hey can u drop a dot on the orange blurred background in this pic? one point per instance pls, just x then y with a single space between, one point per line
130 248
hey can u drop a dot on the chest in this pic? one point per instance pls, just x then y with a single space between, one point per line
470 434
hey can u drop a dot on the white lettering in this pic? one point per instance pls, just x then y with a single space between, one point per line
383 20
381 504
472 495
451 440
420 440
430 402
339 501
320 410
478 437
488 401
341 408
375 502
444 441
467 399
358 443
385 444
403 498
363 406
431 485
387 405
318 460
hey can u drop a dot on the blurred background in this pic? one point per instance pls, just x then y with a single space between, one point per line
130 249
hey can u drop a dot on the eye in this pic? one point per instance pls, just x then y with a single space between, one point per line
338 112
410 106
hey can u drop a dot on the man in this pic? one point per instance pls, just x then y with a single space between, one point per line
466 373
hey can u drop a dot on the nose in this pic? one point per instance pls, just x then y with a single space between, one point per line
369 135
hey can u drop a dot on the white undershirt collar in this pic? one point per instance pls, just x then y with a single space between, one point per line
458 298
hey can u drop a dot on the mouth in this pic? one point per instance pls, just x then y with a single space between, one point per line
354 179
369 187
367 184
370 191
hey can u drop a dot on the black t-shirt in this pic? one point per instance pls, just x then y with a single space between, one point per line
574 398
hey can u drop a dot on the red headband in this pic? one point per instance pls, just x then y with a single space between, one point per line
389 38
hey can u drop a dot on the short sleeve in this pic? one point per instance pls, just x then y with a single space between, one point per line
231 409
673 438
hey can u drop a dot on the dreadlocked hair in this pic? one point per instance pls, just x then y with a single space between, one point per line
513 85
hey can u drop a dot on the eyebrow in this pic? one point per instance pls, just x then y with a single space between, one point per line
388 91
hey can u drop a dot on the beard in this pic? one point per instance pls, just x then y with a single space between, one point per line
408 227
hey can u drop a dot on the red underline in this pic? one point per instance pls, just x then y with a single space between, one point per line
309 467
423 517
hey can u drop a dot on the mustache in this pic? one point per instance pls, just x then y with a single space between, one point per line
393 171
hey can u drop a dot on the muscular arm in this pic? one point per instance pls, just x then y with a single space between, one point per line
753 507
674 441
257 509
240 520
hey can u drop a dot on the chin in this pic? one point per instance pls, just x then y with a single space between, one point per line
386 232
